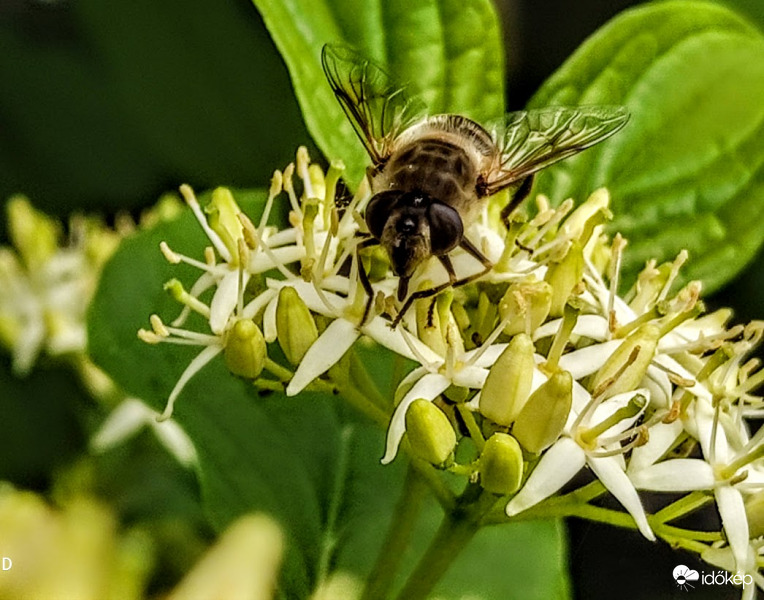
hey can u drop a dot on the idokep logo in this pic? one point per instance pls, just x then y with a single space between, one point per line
685 577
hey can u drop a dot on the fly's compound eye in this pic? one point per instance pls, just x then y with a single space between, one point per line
379 210
446 228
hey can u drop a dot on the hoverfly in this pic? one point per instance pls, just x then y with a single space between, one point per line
431 175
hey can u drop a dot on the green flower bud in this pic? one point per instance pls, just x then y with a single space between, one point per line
34 234
245 351
295 326
508 384
564 276
429 432
543 417
526 304
627 366
222 211
501 464
375 262
436 325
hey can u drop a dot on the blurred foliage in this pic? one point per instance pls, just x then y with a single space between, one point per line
106 105
77 549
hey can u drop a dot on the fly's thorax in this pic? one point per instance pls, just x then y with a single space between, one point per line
437 166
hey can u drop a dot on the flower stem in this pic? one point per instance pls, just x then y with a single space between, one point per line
682 507
357 398
383 573
455 531
363 381
282 373
469 420
438 487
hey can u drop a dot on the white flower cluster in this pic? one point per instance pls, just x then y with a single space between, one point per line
540 362
45 287
47 281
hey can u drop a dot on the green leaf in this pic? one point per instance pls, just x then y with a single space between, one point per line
449 51
304 460
688 170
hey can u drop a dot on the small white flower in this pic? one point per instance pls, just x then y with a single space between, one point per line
717 473
129 418
567 456
46 286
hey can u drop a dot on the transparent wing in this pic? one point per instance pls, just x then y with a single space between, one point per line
529 141
378 108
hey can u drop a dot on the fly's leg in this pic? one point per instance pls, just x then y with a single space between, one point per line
364 277
470 248
517 199
446 262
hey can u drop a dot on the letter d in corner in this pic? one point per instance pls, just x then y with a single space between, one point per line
7 563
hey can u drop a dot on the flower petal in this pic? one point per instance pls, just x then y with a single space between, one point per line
315 302
174 438
487 357
612 476
734 520
330 346
270 332
702 426
124 421
428 387
557 467
609 407
380 331
675 475
662 438
657 381
588 360
470 377
28 345
260 262
591 326
255 305
224 300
